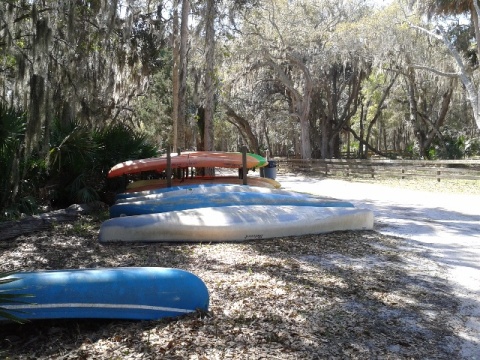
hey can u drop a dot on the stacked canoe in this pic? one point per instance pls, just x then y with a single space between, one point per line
188 159
195 210
204 211
193 159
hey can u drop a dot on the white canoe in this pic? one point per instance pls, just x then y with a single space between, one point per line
234 223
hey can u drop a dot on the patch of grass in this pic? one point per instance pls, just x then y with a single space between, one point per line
452 186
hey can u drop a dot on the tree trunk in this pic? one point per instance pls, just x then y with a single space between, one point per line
413 107
175 74
244 127
201 128
209 74
379 110
12 229
182 99
303 108
325 136
270 150
466 79
474 17
440 119
361 143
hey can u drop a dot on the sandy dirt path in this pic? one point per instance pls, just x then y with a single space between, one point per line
447 226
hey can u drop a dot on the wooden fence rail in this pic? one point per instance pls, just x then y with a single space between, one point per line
438 169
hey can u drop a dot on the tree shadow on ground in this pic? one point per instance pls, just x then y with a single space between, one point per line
345 294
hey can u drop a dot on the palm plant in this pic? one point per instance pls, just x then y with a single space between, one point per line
444 7
9 298
12 133
120 143
72 147
80 158
72 153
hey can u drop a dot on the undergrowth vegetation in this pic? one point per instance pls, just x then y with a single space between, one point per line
67 165
6 298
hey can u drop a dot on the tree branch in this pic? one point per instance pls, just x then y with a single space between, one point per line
243 126
435 71
441 36
370 147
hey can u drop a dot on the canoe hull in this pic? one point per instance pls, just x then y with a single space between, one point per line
142 293
234 223
188 159
142 185
163 194
196 201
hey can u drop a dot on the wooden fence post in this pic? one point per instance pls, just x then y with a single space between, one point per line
244 164
469 169
169 167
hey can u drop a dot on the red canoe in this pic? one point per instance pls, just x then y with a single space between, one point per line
188 159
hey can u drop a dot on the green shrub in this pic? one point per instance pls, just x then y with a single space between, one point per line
74 170
80 158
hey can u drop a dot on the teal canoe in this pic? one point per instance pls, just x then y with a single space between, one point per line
195 201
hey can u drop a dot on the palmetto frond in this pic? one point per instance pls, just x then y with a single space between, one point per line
9 298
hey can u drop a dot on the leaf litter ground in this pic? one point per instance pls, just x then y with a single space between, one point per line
357 295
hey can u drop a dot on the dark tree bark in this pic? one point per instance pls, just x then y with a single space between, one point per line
209 73
30 224
182 95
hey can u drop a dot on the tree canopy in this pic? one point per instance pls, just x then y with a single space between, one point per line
304 78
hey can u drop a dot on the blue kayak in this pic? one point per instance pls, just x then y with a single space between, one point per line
196 201
139 293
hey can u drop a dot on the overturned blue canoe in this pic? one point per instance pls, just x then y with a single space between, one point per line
138 293
196 201
182 188
160 194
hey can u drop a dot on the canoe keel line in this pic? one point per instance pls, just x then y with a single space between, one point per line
96 306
